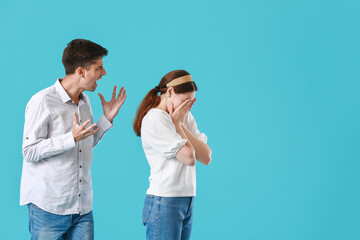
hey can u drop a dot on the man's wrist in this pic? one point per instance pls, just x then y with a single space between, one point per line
109 118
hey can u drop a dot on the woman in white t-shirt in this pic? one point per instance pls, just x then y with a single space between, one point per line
172 144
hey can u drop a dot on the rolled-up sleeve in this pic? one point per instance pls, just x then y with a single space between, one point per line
160 134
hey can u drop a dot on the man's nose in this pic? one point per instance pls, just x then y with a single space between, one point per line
103 72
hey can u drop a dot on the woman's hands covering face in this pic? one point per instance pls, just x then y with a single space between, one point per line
178 115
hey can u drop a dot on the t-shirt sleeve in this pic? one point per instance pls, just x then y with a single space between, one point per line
191 125
159 133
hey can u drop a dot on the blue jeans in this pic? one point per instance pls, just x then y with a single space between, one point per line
168 218
47 226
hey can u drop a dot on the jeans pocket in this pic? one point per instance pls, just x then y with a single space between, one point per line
148 204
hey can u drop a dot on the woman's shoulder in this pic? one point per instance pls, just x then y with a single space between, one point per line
156 113
156 116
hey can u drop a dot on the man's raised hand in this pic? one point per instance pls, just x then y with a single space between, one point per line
112 107
80 131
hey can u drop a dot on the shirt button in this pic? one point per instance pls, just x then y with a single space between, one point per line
80 150
80 180
80 166
79 194
27 138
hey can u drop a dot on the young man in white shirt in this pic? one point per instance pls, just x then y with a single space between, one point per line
59 135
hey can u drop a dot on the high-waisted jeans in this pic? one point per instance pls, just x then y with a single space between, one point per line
168 218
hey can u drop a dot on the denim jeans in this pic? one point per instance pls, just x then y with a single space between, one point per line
47 226
168 218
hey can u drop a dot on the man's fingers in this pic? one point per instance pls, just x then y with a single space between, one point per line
91 127
92 132
84 124
121 92
102 99
114 93
75 121
122 98
88 129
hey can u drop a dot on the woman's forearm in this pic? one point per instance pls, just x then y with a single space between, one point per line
202 150
186 154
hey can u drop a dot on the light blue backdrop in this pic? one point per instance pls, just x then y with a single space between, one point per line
278 98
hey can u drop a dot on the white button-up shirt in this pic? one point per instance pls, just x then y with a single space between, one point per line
56 169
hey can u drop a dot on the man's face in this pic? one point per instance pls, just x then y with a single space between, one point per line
93 73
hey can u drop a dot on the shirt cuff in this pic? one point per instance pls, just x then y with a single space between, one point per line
175 148
104 123
180 145
68 141
203 138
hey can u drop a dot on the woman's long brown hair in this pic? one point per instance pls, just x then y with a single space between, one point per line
152 99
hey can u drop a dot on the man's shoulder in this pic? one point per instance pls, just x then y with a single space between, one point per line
43 95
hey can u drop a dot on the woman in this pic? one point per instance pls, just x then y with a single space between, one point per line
171 143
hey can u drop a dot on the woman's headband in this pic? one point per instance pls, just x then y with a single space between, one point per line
180 80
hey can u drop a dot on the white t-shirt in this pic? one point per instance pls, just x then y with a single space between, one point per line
168 177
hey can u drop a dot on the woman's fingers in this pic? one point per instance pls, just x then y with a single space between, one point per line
182 106
171 108
192 103
188 105
181 111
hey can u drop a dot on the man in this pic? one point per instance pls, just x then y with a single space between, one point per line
59 135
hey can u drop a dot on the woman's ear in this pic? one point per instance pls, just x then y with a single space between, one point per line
169 91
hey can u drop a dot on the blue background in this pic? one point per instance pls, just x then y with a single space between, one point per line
278 99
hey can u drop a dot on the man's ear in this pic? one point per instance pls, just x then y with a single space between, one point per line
80 71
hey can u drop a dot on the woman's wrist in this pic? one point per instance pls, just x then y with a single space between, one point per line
178 124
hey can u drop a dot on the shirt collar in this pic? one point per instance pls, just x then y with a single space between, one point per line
63 94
